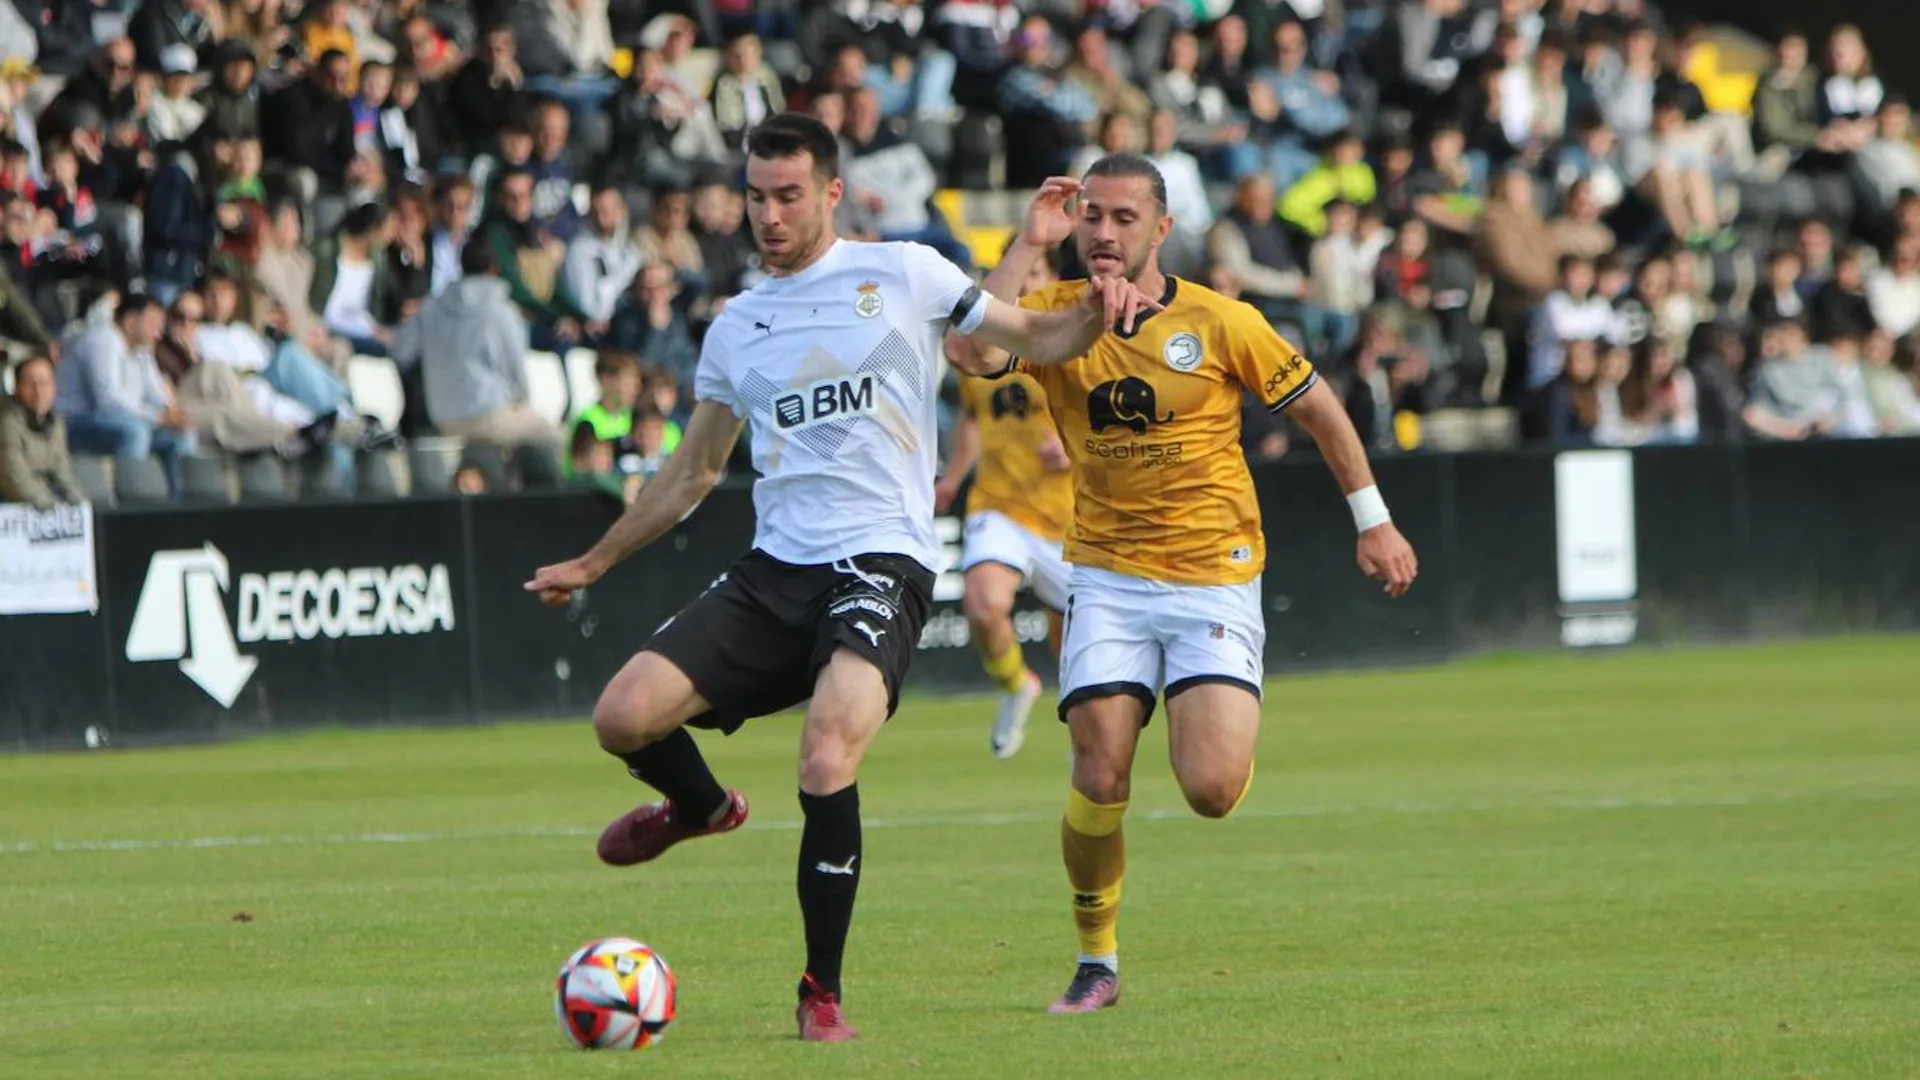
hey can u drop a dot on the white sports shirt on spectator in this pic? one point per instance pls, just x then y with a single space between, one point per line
837 371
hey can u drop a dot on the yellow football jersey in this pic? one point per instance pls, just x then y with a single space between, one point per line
1152 421
1010 478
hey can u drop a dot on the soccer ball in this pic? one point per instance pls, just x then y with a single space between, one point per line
614 994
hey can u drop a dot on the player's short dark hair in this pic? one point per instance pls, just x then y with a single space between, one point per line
791 134
1127 166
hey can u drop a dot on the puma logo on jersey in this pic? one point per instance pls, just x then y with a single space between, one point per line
824 402
766 327
873 635
844 870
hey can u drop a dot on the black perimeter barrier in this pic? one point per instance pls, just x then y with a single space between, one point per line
238 621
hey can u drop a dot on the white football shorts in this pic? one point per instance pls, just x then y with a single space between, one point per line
992 536
1130 635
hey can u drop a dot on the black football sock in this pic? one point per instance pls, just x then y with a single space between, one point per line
829 877
673 767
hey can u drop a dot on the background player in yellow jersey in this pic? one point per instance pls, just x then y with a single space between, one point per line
1018 511
1166 545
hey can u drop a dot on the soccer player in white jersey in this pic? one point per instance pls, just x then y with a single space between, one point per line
834 362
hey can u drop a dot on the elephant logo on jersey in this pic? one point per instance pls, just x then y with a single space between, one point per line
1183 352
1012 400
1127 403
869 304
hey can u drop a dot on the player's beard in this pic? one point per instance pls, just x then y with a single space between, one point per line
797 243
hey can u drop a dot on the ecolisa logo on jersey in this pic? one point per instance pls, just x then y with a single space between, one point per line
182 612
824 402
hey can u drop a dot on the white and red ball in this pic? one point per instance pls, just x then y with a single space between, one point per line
615 994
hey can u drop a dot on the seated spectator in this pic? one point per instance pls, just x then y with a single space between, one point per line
1786 105
1658 402
602 259
453 218
1596 159
409 257
746 91
1207 126
661 133
222 408
512 148
1251 253
1450 190
727 254
489 90
1546 84
1889 163
352 288
1778 296
1184 251
113 397
1394 180
1436 38
667 238
1578 230
326 30
1571 410
1893 290
1628 101
610 417
35 467
1405 269
1670 170
1384 377
100 96
584 35
175 114
470 344
1105 78
1857 420
431 52
1344 174
158 25
232 100
1116 133
529 261
1048 117
1573 312
892 182
1797 391
554 172
1814 241
1516 248
651 322
285 273
1890 387
591 463
1341 267
413 130
660 390
285 380
1841 307
1306 106
308 126
1719 364
1850 95
653 439
179 225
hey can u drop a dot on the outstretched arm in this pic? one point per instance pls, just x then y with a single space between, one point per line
1384 554
683 481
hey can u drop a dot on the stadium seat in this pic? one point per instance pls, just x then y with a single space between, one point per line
583 388
262 479
203 481
91 471
140 482
320 478
547 386
375 476
374 383
431 472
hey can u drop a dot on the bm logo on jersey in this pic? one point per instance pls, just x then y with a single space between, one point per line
823 402
1127 403
1011 400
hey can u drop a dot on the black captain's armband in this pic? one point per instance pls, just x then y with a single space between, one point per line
965 307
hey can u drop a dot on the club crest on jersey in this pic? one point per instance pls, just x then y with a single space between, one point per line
1183 352
869 303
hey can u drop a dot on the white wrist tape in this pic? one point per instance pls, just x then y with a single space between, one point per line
1369 509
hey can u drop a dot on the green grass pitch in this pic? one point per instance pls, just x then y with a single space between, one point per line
1683 864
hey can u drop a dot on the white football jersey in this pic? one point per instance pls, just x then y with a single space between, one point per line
836 369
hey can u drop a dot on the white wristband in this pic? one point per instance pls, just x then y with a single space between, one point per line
1369 509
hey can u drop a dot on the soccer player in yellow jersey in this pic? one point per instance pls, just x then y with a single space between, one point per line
1018 511
1166 545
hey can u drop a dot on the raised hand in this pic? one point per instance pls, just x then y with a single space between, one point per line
1050 216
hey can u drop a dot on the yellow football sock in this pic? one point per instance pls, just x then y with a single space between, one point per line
1009 669
1244 788
1095 851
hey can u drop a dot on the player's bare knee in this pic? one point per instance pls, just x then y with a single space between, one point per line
622 722
1101 778
1214 796
827 764
984 609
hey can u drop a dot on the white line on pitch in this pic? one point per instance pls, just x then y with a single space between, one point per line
939 821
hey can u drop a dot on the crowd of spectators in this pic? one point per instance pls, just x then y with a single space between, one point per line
208 206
